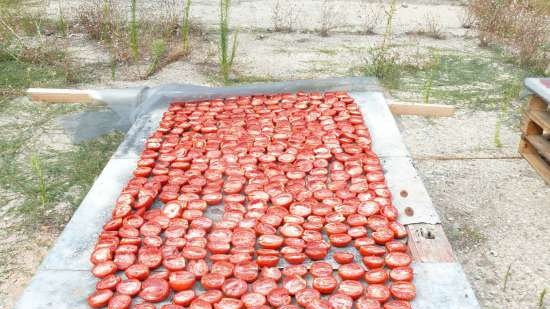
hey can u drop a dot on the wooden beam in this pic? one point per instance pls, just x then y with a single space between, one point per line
428 243
429 110
59 95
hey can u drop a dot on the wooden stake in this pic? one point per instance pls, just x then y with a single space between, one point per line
59 95
429 110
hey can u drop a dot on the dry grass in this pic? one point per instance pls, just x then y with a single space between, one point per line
431 28
522 26
285 15
329 19
372 16
108 22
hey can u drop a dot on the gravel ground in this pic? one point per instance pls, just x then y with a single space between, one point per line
494 211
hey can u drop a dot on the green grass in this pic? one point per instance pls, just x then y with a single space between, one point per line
226 53
326 51
473 81
40 176
541 299
17 75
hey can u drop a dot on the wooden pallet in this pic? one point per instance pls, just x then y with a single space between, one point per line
535 136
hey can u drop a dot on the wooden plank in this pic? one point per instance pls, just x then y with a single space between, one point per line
428 243
541 144
529 152
59 95
537 103
430 110
541 118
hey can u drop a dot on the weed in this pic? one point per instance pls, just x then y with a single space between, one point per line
226 57
134 30
522 26
328 18
47 177
36 167
62 25
434 66
541 299
371 15
185 27
510 92
433 28
158 49
507 277
285 15
383 63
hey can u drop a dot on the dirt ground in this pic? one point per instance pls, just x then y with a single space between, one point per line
493 206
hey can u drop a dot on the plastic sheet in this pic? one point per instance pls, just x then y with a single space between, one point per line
127 105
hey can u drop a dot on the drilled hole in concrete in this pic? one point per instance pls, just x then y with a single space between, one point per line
404 193
409 211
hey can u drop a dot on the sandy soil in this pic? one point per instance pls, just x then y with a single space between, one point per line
494 208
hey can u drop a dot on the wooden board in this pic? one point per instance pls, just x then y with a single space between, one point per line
429 110
532 156
59 95
429 244
541 144
541 118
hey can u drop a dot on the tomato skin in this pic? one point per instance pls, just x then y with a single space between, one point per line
264 286
397 259
184 298
144 305
403 290
279 297
373 261
306 296
351 271
212 281
397 304
119 301
104 269
234 287
100 298
129 287
253 299
137 271
367 303
108 282
247 271
377 275
378 292
342 257
229 303
325 285
321 269
402 274
181 280
154 290
341 301
396 246
211 296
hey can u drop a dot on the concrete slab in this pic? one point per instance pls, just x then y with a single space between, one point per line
442 285
72 249
408 191
386 139
59 289
134 141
